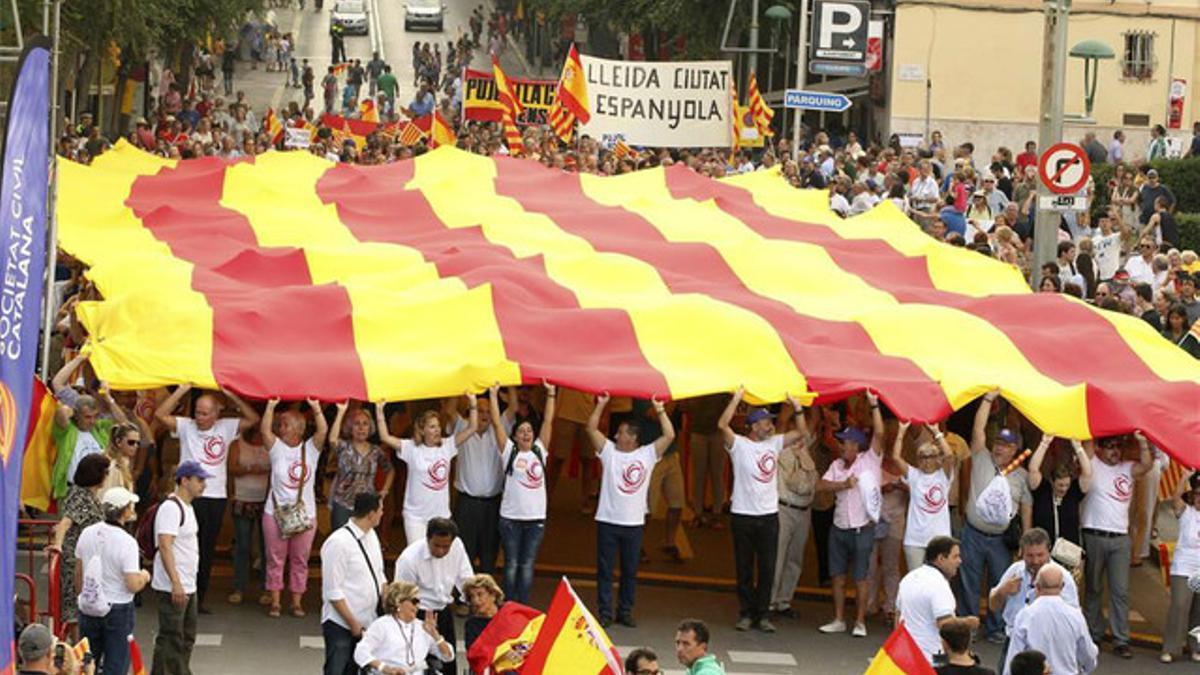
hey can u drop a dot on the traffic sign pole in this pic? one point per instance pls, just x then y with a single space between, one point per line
1050 128
801 72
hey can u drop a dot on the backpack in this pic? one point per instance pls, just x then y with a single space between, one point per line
92 600
147 542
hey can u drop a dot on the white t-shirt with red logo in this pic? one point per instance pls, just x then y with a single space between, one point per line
755 491
1106 506
427 494
624 482
209 447
525 489
928 506
288 472
1185 561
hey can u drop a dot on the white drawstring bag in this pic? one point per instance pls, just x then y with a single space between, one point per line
995 504
92 600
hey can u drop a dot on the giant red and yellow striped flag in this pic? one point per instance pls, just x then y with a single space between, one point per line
759 109
37 471
571 641
659 282
512 108
899 655
571 100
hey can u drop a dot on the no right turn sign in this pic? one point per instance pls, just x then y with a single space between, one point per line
1064 168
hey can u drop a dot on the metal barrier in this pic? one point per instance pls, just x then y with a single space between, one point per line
34 539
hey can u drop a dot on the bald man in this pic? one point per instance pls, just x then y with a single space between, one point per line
206 438
1054 628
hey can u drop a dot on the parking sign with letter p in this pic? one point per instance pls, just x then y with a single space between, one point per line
839 30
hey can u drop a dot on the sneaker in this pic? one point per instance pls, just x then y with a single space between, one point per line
627 620
743 624
766 626
860 630
1165 658
235 598
1123 651
264 599
203 609
786 612
996 638
835 626
605 621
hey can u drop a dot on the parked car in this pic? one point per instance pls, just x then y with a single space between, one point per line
352 14
424 14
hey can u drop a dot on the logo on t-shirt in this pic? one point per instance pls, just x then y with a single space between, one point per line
214 450
1122 489
933 500
632 478
297 473
530 474
765 468
438 475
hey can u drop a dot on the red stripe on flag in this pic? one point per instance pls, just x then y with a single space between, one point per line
835 356
1120 387
543 327
905 654
315 354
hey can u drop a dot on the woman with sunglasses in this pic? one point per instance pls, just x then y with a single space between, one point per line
122 452
929 490
397 643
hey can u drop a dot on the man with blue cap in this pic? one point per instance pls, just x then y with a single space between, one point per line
755 509
853 535
176 566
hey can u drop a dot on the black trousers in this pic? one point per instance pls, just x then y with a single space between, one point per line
210 513
445 626
478 520
822 524
755 543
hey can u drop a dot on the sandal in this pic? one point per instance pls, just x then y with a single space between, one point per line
298 611
275 611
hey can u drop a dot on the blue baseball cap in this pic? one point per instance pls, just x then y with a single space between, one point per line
853 434
191 469
1008 436
757 415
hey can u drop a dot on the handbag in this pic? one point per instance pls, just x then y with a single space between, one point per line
378 595
293 519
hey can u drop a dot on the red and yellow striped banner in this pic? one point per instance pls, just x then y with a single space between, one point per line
289 275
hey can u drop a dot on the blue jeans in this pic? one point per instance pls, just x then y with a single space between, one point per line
245 531
109 637
612 540
521 540
339 650
978 550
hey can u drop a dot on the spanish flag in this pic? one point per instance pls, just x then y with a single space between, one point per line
571 641
367 111
339 68
36 482
899 655
274 126
136 665
511 632
441 133
512 108
759 108
571 100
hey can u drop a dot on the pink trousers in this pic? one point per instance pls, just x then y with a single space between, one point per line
295 551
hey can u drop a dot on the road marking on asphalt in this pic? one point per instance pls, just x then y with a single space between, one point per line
762 658
312 642
208 639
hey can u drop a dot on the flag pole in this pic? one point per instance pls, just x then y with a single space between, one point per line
51 200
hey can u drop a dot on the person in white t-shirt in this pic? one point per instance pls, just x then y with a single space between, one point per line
523 504
121 577
428 456
1184 611
206 438
293 471
176 563
852 538
1105 527
754 516
621 515
929 491
479 482
925 600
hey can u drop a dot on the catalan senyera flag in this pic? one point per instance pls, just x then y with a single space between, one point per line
367 110
621 149
571 101
759 109
40 452
512 630
410 134
571 641
594 283
735 120
273 125
512 108
441 133
1169 481
137 666
899 655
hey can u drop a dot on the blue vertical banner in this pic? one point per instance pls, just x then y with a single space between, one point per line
23 192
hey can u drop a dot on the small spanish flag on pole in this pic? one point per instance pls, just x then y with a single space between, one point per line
571 640
367 111
571 98
900 655
40 452
441 133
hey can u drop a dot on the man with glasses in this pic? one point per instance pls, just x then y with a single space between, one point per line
1141 266
642 661
1051 625
1016 588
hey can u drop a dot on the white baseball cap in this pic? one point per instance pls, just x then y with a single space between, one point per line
118 497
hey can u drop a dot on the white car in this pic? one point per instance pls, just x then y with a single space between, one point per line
424 14
352 14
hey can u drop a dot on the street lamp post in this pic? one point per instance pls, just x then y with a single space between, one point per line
1091 51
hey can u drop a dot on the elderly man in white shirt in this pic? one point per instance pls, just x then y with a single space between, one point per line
1053 627
352 580
437 565
1016 588
925 600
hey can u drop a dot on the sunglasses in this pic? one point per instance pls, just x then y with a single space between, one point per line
131 442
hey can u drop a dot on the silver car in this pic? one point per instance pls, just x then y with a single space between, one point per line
352 14
424 14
